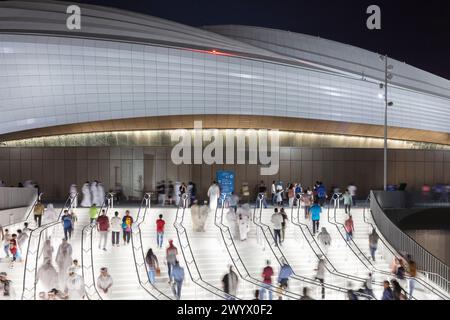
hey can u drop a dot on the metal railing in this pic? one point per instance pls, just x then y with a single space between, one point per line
87 258
32 256
237 260
278 253
27 214
438 270
356 250
395 254
139 253
188 255
318 251
38 198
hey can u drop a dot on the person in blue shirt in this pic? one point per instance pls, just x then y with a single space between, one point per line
387 293
284 274
67 224
315 212
321 194
178 277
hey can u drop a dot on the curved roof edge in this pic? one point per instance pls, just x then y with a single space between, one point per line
331 53
49 18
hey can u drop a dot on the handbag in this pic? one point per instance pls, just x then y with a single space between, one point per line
158 271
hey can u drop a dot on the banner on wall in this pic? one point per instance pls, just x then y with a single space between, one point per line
225 180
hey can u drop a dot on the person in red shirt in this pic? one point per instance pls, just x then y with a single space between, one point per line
103 228
267 280
349 228
160 231
13 249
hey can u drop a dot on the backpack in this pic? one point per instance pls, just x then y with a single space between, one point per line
321 192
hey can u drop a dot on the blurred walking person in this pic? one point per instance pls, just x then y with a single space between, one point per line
347 201
412 272
160 231
47 275
103 228
352 190
171 258
387 292
104 283
307 199
325 239
315 212
178 277
349 228
267 275
284 274
277 220
320 275
116 227
38 212
92 213
66 221
74 286
230 282
373 243
153 265
127 222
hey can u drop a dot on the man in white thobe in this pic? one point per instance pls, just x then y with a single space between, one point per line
74 287
94 193
213 194
47 276
100 193
104 284
243 227
86 202
232 223
64 260
73 195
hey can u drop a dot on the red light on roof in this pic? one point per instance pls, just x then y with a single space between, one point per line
213 51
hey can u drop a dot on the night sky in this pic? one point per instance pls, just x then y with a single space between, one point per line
417 33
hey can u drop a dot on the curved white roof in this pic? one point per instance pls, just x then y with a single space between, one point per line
334 54
49 17
128 65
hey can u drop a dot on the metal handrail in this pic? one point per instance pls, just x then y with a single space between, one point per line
27 214
181 232
395 254
339 226
403 242
265 228
37 233
146 285
33 205
231 246
334 270
88 229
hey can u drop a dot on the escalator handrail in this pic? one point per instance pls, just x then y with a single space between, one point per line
89 229
395 254
262 225
39 231
182 230
32 206
337 225
334 270
141 282
248 278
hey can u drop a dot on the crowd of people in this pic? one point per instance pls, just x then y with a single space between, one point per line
60 277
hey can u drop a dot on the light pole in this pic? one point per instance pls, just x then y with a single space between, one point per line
387 76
